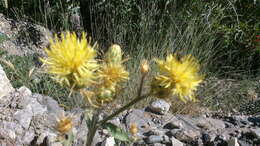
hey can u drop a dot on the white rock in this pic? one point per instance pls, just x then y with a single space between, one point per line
51 104
256 132
24 116
5 85
11 134
7 134
24 91
28 137
110 141
13 126
187 135
52 137
160 106
56 144
233 142
176 142
37 108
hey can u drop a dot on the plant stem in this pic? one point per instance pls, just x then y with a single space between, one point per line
140 89
95 124
137 99
93 128
91 134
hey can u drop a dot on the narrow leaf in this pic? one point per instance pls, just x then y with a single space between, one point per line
3 37
117 132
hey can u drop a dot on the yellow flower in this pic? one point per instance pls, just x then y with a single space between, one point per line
179 77
64 124
133 129
109 77
71 60
111 74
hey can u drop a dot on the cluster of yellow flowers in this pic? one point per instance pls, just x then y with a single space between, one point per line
73 64
110 75
72 61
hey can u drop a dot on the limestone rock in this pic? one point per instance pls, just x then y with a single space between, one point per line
51 104
142 119
24 117
174 125
209 123
5 85
233 142
176 142
28 137
208 137
256 132
187 135
157 139
160 106
110 141
24 91
24 37
155 132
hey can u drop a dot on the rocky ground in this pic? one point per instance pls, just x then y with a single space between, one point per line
28 118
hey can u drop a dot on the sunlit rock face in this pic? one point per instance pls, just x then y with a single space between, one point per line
22 38
5 85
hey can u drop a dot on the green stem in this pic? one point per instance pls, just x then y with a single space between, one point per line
93 128
91 134
95 124
140 89
134 101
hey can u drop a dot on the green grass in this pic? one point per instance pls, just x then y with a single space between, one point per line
38 82
228 94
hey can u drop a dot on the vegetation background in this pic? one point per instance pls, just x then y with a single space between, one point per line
221 34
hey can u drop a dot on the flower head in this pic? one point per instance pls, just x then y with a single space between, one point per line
112 74
133 129
177 76
64 124
71 60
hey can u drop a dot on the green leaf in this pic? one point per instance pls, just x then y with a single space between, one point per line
3 37
117 132
88 116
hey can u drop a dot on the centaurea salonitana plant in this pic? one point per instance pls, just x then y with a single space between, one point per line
177 77
72 62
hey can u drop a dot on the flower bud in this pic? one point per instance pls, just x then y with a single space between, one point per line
144 67
105 94
133 129
114 54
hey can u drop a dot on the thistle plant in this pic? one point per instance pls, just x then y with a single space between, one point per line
72 62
